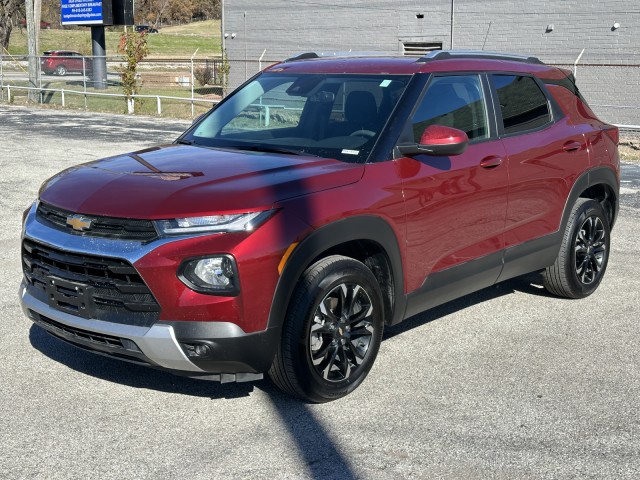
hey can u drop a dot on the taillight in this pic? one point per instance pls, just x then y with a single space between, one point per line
612 132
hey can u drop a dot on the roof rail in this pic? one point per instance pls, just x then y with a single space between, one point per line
448 54
302 56
308 55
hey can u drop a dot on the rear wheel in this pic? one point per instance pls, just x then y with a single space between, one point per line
332 331
61 70
583 256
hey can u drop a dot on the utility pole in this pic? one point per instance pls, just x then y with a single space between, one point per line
453 18
222 29
33 11
37 16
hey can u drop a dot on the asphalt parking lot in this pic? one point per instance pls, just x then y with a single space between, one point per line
506 383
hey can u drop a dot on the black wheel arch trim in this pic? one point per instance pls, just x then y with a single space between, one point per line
362 227
601 175
541 252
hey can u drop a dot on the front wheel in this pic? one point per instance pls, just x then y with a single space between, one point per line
583 256
332 331
61 70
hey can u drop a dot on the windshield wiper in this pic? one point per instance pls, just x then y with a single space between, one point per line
184 142
270 149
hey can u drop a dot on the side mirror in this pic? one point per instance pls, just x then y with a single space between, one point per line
437 140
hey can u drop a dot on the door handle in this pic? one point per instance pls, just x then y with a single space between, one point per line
491 162
571 146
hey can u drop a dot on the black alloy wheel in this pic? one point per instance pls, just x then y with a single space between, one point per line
332 331
584 254
590 250
341 332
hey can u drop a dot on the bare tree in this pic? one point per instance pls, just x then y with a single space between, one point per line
207 9
10 12
158 11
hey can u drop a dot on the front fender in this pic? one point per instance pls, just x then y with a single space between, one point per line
363 227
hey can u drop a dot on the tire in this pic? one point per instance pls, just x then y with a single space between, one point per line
584 254
331 333
60 70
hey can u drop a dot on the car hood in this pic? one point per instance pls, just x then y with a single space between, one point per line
180 180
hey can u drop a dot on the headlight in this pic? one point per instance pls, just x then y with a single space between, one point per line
239 222
25 214
215 275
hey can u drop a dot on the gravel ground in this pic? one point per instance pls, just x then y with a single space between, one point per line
506 383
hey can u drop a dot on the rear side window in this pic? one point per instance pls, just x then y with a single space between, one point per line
523 105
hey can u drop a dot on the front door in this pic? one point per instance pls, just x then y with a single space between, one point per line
455 206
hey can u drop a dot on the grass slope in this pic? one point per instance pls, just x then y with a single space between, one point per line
177 41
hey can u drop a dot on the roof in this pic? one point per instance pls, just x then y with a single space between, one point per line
437 61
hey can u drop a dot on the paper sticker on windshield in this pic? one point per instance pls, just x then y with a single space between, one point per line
346 151
385 83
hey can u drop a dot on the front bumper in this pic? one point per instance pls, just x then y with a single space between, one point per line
231 354
231 331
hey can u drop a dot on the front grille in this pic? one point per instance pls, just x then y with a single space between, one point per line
106 344
106 227
78 334
88 286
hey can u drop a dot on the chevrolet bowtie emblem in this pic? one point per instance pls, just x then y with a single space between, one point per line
79 223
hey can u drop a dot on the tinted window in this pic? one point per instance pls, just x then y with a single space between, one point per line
523 105
273 109
453 101
329 115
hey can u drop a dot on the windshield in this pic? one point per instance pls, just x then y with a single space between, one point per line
327 115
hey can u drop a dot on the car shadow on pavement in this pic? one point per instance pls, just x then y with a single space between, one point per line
316 446
530 284
139 376
130 374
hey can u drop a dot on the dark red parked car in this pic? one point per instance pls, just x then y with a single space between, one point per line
43 25
61 62
322 200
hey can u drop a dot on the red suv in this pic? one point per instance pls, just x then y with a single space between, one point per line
320 201
61 62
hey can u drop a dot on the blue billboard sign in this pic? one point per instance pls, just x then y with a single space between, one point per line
86 12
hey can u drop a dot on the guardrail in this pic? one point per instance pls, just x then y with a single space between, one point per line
62 92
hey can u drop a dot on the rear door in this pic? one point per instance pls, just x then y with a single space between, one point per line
545 153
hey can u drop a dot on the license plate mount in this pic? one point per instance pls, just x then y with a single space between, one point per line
71 297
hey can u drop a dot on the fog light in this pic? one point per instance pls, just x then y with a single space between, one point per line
213 275
197 350
216 272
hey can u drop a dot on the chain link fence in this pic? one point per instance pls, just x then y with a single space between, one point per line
174 87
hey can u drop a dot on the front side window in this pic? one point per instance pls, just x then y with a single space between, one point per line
453 101
523 105
329 115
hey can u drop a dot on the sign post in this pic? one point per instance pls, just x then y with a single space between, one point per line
99 52
96 14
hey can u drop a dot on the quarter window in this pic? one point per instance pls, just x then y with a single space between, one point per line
454 101
523 105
